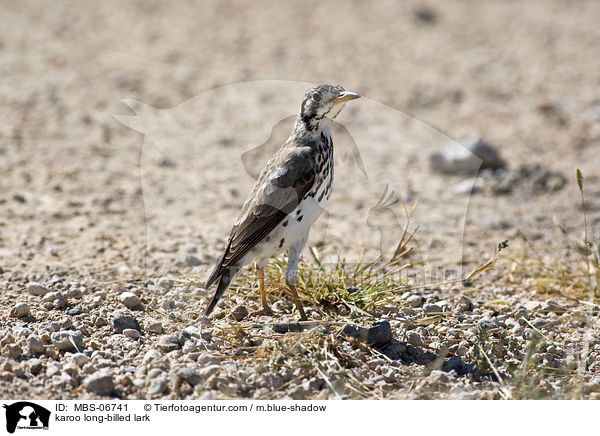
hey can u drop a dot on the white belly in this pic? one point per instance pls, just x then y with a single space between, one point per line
293 228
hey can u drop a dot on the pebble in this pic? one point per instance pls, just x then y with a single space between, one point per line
152 326
80 359
414 338
466 158
165 283
35 344
37 289
67 340
124 321
379 335
191 260
486 324
190 375
208 371
100 321
168 343
158 385
130 300
239 313
14 351
432 308
53 369
206 359
415 301
35 366
101 382
151 355
20 310
132 333
21 331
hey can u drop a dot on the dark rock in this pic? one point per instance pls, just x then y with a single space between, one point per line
239 313
124 321
377 336
73 311
425 14
286 327
466 158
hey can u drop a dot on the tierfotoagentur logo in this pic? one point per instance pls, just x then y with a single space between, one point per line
25 415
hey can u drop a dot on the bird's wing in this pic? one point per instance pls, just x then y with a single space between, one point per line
280 188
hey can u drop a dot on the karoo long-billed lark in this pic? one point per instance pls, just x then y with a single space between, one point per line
288 197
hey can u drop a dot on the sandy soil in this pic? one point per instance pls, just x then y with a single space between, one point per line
131 133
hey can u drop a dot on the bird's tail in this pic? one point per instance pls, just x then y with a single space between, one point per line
222 285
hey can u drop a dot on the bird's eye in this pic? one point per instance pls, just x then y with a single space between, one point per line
317 97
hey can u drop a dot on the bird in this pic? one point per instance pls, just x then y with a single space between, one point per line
290 193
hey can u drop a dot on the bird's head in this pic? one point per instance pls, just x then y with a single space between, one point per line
322 103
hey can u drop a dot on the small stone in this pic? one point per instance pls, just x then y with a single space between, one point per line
53 369
130 300
205 373
19 371
239 313
151 355
190 375
158 385
165 283
377 336
37 289
62 381
425 14
437 377
70 368
486 324
153 326
80 359
14 351
73 311
21 331
35 344
432 308
415 301
414 338
101 383
191 260
461 351
168 343
20 310
132 333
67 340
206 359
100 321
124 321
35 366
466 158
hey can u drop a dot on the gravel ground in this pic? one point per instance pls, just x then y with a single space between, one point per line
124 159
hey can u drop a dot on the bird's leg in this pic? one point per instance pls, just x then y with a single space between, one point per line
298 303
266 310
291 274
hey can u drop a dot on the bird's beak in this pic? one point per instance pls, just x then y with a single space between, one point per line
346 96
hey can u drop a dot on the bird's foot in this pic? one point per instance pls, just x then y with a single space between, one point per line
265 311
